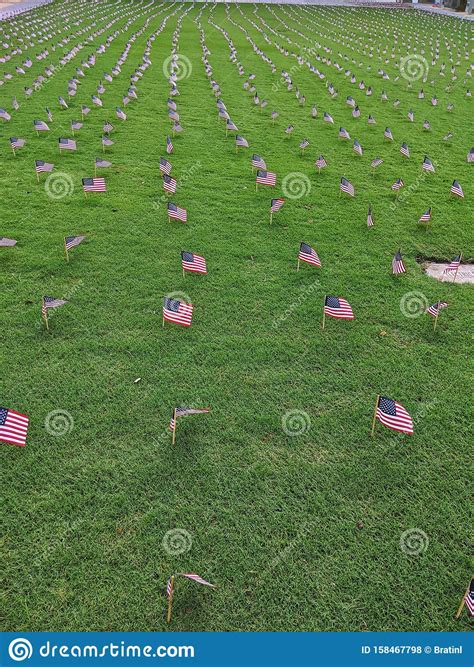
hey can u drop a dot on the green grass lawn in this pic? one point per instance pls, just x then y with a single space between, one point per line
298 532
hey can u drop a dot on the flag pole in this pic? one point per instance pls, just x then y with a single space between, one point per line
65 250
460 608
271 217
298 267
44 312
436 318
324 304
37 175
174 429
170 600
375 415
457 268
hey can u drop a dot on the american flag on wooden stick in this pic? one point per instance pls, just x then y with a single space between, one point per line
426 216
258 162
404 150
196 578
169 145
453 265
96 184
176 212
397 264
370 218
393 415
456 190
347 187
177 311
7 243
308 254
192 262
469 598
73 241
169 183
276 204
337 307
66 144
41 166
434 309
265 177
13 427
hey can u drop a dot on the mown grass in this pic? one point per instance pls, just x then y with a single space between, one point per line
299 533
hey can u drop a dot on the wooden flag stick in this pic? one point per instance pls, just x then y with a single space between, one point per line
44 313
37 175
65 251
271 217
170 600
174 429
457 268
103 147
298 266
14 154
324 312
461 605
436 318
183 273
375 415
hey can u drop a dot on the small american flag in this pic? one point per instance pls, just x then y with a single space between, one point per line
4 114
393 415
274 115
371 120
169 145
230 125
169 183
40 126
177 213
41 166
469 598
309 255
258 162
266 177
51 302
63 103
454 265
397 264
456 190
96 184
321 162
169 588
426 216
339 308
7 243
120 114
370 219
15 142
347 187
343 133
84 110
434 309
177 311
67 144
376 162
421 94
404 150
13 427
99 162
196 578
397 185
356 112
427 164
357 148
96 100
328 118
73 241
411 116
304 144
388 134
470 155
276 204
173 115
165 166
426 125
76 125
289 129
108 127
240 141
192 262
107 141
